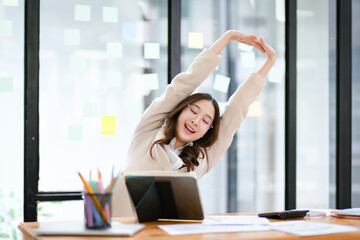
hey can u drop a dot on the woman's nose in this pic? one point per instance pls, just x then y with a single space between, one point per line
195 120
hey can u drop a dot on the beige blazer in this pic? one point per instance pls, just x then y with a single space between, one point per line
150 127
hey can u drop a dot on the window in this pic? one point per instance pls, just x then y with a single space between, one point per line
101 64
12 117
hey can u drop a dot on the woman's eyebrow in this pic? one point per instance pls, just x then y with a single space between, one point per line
200 110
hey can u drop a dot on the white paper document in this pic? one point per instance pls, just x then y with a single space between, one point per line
306 228
184 229
235 220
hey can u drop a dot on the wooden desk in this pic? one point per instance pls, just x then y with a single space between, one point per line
152 232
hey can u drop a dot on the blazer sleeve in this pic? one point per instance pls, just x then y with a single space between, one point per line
235 112
180 87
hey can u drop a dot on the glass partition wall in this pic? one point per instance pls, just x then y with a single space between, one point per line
101 64
258 163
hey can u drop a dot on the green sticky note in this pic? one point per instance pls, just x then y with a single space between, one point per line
222 106
247 59
6 84
151 50
108 125
75 132
114 79
221 83
151 81
5 28
114 49
110 14
77 63
82 13
72 37
89 109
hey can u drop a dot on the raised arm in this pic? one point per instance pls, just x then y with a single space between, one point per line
233 35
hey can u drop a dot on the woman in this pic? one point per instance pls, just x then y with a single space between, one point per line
181 131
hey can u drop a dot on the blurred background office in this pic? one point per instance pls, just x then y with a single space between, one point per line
101 63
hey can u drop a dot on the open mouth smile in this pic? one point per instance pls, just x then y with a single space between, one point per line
190 129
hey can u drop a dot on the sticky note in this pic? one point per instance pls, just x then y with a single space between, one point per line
89 109
5 28
247 59
222 106
255 109
151 50
151 81
72 37
108 125
75 132
114 49
244 47
6 84
221 83
77 62
128 30
276 75
82 13
11 3
110 14
114 79
195 40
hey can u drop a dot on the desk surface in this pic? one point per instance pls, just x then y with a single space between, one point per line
152 232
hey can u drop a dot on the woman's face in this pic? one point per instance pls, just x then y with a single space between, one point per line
194 121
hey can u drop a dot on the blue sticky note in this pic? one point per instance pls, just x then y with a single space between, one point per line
82 13
110 14
6 84
128 30
114 49
5 28
72 37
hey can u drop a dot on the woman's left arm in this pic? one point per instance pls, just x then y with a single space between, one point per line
238 105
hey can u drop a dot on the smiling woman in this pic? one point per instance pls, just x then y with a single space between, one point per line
182 131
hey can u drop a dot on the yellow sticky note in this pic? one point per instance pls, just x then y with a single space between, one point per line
11 3
110 14
108 125
255 109
114 49
195 40
72 37
221 83
82 13
151 50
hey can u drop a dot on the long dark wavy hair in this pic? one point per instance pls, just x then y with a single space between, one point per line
190 154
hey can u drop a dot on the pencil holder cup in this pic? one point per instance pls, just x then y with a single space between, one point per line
97 208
